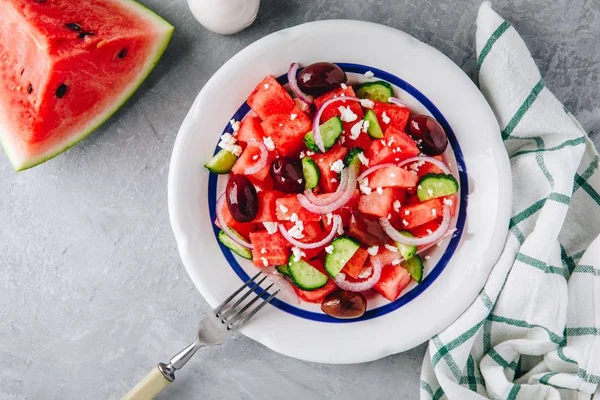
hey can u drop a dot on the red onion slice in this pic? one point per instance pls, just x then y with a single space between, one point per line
323 201
369 171
431 160
337 220
305 98
397 102
410 241
342 283
262 160
317 119
344 198
276 277
232 235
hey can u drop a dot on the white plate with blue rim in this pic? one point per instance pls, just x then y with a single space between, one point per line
429 83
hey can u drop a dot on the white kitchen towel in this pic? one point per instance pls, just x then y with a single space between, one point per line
534 330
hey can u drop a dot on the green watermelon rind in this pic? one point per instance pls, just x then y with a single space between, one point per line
20 164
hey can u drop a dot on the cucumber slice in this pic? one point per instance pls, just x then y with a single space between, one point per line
374 129
305 276
233 246
414 266
330 132
222 162
344 248
376 91
407 252
352 159
283 269
436 185
311 172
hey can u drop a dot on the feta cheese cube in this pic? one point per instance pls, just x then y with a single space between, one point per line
363 160
346 114
337 166
269 143
366 103
369 74
329 249
355 130
373 250
385 118
271 227
391 248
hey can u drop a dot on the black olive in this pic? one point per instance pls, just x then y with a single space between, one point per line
61 91
73 26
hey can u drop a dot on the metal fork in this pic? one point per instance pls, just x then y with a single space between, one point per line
213 330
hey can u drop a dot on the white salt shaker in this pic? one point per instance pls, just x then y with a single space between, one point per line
225 16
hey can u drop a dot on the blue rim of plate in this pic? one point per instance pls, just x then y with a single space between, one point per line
435 271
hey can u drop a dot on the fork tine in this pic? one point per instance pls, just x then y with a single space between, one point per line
239 313
227 300
254 311
239 301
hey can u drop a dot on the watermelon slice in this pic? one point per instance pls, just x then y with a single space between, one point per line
66 66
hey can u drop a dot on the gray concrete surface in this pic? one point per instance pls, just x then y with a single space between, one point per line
92 292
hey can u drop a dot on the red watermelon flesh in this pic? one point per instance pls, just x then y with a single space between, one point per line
66 66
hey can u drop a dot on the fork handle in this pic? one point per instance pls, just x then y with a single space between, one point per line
149 387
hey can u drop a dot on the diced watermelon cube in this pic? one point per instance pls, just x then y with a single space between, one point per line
355 264
417 214
250 129
269 250
393 281
377 204
249 158
363 141
394 147
393 176
318 295
324 162
266 205
269 98
287 133
398 115
243 228
288 205
386 256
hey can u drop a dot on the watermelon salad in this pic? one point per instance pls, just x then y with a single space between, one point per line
337 188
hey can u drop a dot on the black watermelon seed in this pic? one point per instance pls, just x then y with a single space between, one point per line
61 91
122 53
73 26
40 1
30 89
84 34
22 71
